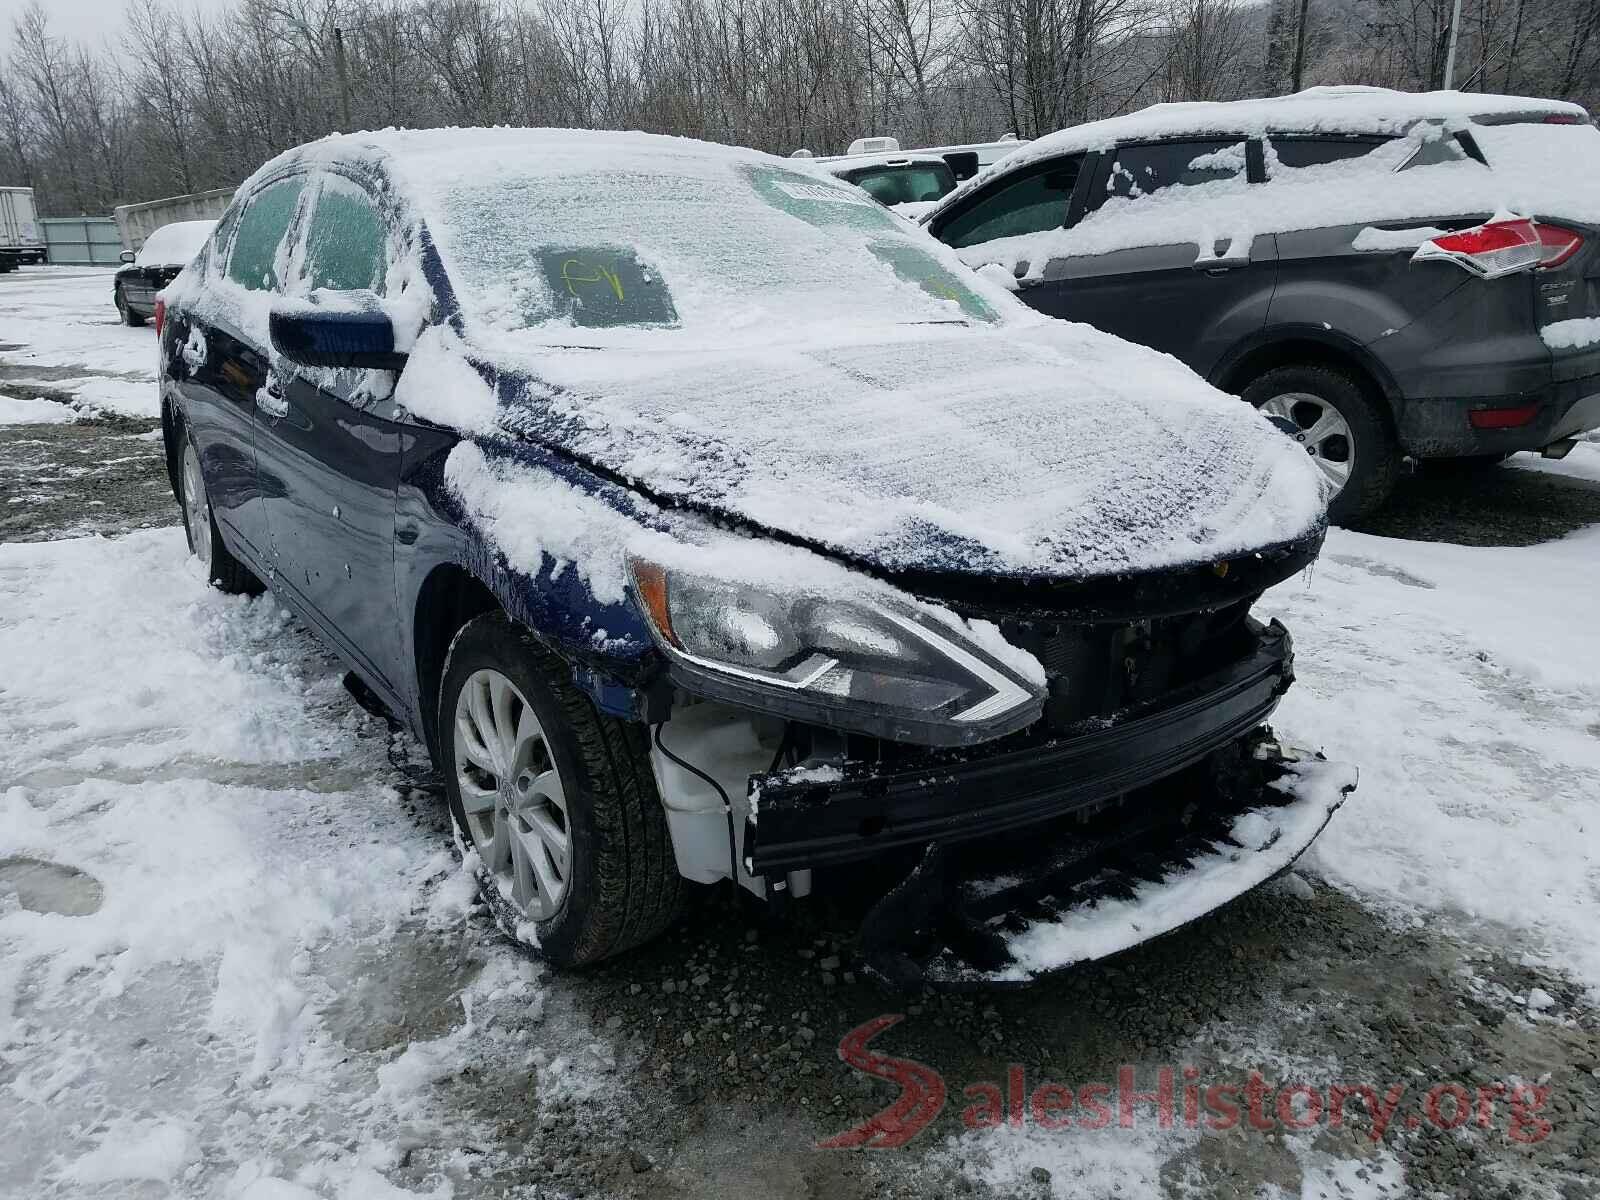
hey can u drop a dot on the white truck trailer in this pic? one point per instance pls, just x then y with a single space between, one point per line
21 239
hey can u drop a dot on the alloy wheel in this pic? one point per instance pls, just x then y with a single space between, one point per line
1321 429
196 510
512 795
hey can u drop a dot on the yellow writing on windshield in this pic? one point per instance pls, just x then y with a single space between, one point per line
575 271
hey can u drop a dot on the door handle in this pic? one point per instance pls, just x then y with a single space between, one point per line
1220 266
270 398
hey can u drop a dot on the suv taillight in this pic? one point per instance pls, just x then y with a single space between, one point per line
1559 244
161 315
1502 247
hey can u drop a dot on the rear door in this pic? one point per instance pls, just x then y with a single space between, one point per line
1170 285
328 450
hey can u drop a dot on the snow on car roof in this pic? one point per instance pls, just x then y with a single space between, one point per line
174 245
1346 109
1314 110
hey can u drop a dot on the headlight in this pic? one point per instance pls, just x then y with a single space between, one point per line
869 665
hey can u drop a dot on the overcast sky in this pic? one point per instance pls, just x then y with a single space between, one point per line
90 20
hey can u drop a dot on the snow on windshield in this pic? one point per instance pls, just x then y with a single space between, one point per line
563 231
174 245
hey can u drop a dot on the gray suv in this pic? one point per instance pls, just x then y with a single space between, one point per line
1387 274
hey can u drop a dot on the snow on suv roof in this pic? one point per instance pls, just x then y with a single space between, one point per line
1315 110
1348 109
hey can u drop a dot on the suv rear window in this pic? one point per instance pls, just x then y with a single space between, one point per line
1292 151
1141 170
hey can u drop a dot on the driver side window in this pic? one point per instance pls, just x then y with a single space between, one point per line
254 261
347 241
1036 202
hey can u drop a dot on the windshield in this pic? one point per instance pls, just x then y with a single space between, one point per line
674 240
905 185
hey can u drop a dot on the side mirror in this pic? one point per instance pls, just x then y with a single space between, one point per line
126 256
963 163
335 329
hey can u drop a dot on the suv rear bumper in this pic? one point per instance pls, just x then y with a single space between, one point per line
799 822
1443 428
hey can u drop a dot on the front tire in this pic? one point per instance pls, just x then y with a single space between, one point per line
557 799
1342 426
223 571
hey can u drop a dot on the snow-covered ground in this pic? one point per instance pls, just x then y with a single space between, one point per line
56 318
1463 681
197 990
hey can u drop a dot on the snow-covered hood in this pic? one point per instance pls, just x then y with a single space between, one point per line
1036 450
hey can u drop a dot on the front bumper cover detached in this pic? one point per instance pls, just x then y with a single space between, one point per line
1024 859
1005 915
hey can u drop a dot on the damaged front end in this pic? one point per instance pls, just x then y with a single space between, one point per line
1089 833
1148 792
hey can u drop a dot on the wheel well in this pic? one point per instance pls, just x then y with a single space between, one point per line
449 598
1289 351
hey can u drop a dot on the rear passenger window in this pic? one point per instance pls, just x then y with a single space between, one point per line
1140 170
1030 205
1316 151
346 245
254 261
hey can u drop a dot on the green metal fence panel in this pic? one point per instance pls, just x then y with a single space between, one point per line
82 241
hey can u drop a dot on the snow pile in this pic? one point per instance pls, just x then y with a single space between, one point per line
174 245
1575 334
133 1150
14 410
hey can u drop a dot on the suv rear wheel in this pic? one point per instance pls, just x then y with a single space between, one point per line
557 799
1342 427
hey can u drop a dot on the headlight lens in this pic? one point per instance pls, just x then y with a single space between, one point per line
868 665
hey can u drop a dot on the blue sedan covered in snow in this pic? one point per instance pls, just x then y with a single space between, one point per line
709 522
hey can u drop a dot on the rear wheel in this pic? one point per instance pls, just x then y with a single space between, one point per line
558 800
223 571
128 316
1342 427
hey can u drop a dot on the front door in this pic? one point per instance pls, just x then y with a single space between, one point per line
328 454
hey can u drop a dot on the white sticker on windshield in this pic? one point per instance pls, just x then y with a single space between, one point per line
822 193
